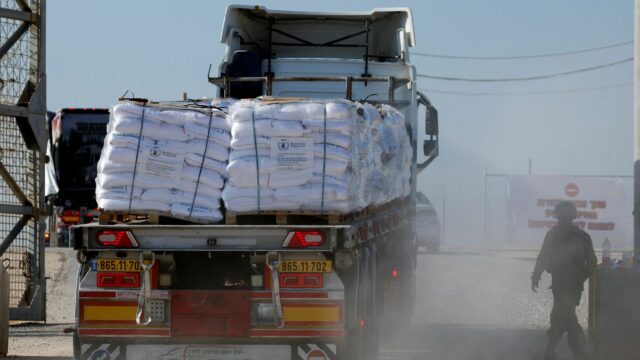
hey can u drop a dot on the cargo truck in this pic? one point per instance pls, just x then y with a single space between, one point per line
269 285
75 141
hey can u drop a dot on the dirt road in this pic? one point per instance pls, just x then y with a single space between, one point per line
49 340
478 307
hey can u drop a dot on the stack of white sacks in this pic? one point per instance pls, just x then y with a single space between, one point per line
167 159
319 155
263 155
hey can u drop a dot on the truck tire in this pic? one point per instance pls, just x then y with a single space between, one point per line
362 339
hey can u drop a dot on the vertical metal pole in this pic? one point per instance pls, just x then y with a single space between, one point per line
269 48
42 109
636 136
444 219
391 82
269 81
486 212
366 51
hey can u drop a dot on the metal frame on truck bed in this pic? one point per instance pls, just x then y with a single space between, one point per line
277 284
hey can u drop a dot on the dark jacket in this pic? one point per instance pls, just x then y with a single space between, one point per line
567 254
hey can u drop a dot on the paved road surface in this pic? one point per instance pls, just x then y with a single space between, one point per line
469 307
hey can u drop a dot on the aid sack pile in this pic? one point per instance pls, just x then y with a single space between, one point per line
318 155
170 159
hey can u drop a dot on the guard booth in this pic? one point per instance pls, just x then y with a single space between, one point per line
614 311
22 157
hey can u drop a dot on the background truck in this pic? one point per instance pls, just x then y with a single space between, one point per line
428 229
75 142
271 286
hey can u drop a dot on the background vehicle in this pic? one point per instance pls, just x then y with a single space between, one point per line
177 290
76 137
427 224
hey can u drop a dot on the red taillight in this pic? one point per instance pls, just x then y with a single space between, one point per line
304 239
124 280
394 273
118 239
302 281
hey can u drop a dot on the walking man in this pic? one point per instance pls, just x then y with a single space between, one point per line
567 254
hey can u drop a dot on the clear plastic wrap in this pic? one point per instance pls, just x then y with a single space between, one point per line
320 155
167 158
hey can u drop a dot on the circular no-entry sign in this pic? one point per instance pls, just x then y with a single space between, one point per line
571 190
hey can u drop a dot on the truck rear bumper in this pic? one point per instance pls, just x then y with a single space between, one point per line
173 349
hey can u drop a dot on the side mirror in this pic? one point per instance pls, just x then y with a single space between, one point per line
430 145
431 121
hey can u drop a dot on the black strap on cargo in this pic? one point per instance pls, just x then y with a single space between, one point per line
135 164
255 146
324 157
204 156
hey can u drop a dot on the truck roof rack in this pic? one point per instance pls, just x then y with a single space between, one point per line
224 82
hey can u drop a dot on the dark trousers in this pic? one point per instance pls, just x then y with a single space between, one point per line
564 319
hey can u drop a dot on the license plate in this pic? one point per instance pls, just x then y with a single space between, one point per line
305 266
119 265
71 219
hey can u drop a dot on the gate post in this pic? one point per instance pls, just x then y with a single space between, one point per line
4 311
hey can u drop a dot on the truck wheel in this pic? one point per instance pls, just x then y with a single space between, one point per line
362 342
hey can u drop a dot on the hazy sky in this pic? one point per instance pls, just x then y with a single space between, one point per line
158 49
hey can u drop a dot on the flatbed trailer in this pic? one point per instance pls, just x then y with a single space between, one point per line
269 285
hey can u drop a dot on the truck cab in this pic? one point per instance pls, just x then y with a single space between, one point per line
75 142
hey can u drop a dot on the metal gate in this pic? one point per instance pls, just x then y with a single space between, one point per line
23 142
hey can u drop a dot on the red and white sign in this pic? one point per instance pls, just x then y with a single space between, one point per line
531 200
572 190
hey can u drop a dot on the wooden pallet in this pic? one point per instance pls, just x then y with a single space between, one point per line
108 217
281 218
304 217
293 217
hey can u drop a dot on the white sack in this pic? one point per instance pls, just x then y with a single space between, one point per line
201 213
148 128
172 116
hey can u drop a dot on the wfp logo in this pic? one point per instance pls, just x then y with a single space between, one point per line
283 145
155 151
